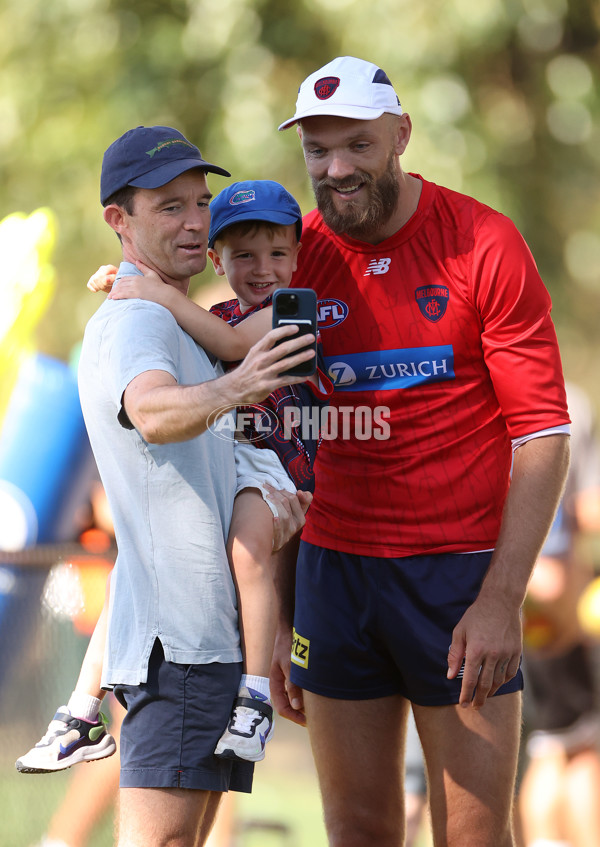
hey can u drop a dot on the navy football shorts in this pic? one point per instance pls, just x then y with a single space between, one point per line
172 726
367 627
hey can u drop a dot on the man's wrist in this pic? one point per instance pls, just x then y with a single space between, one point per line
229 391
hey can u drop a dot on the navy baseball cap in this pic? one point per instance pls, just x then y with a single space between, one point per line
149 157
253 200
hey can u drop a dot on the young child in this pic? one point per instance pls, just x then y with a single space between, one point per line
254 242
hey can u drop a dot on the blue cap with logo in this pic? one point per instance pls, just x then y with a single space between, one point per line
149 157
253 200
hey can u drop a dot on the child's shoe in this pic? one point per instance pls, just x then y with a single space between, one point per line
249 729
68 741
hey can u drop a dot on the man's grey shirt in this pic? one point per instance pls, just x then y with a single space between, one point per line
171 503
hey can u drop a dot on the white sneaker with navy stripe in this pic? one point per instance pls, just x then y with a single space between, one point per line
249 729
67 742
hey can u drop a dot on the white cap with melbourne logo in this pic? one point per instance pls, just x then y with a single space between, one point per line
348 88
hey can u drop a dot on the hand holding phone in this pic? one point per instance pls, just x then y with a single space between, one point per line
298 306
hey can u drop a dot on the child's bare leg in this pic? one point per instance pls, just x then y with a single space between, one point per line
249 547
90 674
91 792
250 555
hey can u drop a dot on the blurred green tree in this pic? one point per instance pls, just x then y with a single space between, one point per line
503 95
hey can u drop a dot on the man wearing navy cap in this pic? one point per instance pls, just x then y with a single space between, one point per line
416 553
148 393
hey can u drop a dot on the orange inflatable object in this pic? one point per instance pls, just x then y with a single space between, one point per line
93 574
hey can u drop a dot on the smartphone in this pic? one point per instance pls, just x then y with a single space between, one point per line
297 306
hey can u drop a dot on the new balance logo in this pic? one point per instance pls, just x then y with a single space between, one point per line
378 266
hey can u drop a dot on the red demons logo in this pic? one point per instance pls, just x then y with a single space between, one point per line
326 87
432 301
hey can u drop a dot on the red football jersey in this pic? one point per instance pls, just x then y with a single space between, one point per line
441 349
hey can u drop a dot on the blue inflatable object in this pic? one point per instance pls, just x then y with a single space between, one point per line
46 467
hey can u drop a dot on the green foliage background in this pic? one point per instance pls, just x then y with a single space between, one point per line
503 95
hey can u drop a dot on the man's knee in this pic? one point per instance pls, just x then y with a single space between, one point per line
477 826
364 828
163 817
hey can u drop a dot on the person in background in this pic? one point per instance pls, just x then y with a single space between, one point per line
415 785
559 792
92 792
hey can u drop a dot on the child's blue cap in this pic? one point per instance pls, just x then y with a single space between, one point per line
253 200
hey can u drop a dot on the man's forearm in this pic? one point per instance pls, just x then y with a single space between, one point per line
164 412
539 471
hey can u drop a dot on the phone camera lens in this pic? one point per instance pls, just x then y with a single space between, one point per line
288 304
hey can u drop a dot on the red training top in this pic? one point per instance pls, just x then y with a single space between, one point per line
446 324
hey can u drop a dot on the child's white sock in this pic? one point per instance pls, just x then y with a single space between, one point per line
258 683
84 706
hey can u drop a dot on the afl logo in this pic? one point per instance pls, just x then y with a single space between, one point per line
331 313
340 373
255 421
326 87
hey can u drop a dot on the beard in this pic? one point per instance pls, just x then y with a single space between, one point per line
356 220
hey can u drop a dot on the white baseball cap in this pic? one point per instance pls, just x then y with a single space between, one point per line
348 88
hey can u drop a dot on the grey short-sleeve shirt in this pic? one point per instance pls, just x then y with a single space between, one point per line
171 503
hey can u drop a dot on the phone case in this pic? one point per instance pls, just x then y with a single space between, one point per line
297 306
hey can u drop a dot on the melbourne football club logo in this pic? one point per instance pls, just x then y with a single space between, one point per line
432 300
331 312
326 87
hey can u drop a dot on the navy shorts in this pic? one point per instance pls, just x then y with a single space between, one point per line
367 627
172 726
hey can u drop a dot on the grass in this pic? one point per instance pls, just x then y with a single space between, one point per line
27 803
283 809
